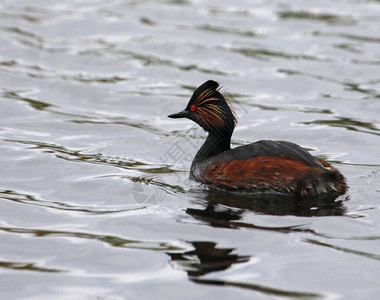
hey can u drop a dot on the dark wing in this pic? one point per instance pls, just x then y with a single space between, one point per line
269 148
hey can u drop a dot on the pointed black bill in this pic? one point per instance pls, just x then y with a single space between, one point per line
181 114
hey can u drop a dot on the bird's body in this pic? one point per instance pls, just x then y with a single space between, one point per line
263 166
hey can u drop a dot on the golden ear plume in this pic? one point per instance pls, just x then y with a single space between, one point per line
211 114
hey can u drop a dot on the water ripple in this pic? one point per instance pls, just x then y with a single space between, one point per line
349 124
343 249
62 152
111 240
27 266
23 198
266 290
328 18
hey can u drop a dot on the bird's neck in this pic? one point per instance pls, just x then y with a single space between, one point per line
216 142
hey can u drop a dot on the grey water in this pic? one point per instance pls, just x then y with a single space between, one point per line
95 200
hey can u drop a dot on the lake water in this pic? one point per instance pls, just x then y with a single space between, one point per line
95 200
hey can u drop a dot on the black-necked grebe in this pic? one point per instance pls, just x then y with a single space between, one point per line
263 166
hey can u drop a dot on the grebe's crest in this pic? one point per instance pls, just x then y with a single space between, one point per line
211 108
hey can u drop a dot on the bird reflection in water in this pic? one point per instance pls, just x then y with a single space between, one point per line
205 258
225 209
222 208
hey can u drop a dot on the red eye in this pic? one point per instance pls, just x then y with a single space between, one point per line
193 107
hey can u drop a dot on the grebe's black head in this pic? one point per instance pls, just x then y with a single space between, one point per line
208 108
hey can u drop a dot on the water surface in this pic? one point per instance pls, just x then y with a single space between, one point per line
95 198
